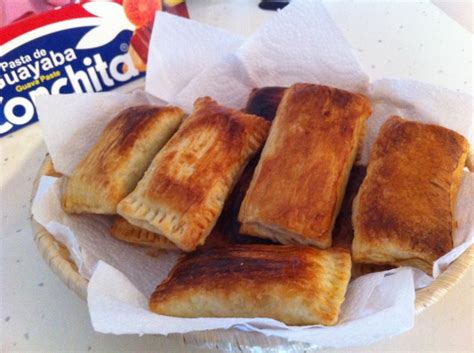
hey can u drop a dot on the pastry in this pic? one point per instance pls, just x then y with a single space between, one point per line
403 213
343 232
129 233
299 182
49 170
115 164
184 190
264 101
294 284
228 224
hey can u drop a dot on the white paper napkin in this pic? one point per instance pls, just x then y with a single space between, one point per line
175 61
280 53
117 307
88 240
124 276
464 235
298 44
72 123
417 101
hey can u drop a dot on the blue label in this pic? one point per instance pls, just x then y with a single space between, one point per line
53 64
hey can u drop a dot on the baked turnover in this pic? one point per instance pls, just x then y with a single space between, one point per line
115 164
343 232
403 213
299 182
183 192
294 284
129 233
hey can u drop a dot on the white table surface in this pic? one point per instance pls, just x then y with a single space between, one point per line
39 314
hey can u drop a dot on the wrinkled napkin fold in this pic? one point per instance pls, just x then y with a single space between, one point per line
116 306
299 44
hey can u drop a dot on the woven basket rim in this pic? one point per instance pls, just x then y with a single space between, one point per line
57 258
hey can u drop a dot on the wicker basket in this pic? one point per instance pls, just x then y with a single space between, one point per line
57 257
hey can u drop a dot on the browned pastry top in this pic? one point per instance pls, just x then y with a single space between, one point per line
124 131
190 165
301 172
295 284
408 195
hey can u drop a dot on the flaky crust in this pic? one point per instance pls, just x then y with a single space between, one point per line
298 185
404 211
129 233
343 232
183 191
227 224
49 170
264 103
115 164
294 284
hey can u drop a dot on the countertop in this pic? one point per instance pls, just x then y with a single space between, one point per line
39 314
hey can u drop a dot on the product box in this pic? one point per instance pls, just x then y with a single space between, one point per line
92 46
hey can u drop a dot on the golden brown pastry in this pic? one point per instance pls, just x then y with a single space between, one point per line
115 164
294 284
48 168
343 232
227 224
129 233
404 211
183 191
262 102
299 183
